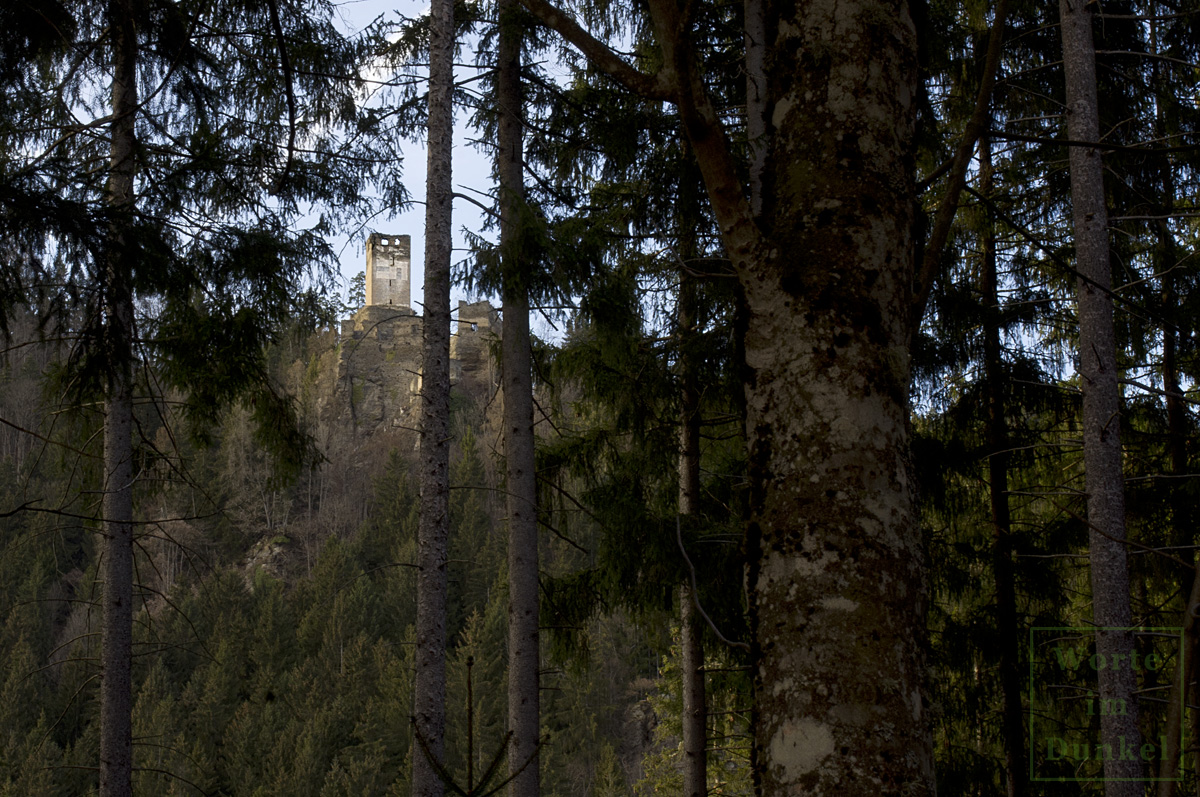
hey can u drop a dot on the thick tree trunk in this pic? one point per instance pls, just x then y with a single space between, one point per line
840 593
837 567
116 689
1016 770
520 474
695 708
429 703
1104 479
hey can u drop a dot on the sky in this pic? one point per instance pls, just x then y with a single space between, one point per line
471 173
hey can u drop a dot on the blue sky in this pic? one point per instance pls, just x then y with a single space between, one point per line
471 171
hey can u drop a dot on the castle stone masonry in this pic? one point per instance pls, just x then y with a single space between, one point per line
378 380
389 270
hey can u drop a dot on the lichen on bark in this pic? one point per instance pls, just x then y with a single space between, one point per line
839 593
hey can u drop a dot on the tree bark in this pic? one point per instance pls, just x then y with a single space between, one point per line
1104 479
520 474
839 593
695 709
116 688
429 703
1015 767
757 129
695 705
837 581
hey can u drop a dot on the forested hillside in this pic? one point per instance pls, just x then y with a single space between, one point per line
856 458
273 641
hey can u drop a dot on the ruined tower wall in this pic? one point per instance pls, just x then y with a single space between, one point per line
377 371
378 365
376 383
471 361
389 270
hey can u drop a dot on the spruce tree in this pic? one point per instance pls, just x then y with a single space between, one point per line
1101 419
524 659
168 246
429 702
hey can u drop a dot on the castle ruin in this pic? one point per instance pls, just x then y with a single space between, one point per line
389 270
378 380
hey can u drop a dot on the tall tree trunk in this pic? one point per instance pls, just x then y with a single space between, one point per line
839 594
116 688
520 474
1104 479
837 571
695 705
838 589
695 710
1015 768
1181 516
429 703
1169 769
1177 435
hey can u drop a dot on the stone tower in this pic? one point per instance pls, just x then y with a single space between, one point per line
389 270
377 385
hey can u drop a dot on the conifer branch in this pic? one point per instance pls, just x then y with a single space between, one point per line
978 123
696 591
1161 552
658 86
1099 146
1132 307
21 508
166 772
4 421
706 134
174 606
482 207
286 65
66 708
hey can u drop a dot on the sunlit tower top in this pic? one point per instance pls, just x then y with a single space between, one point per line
389 270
